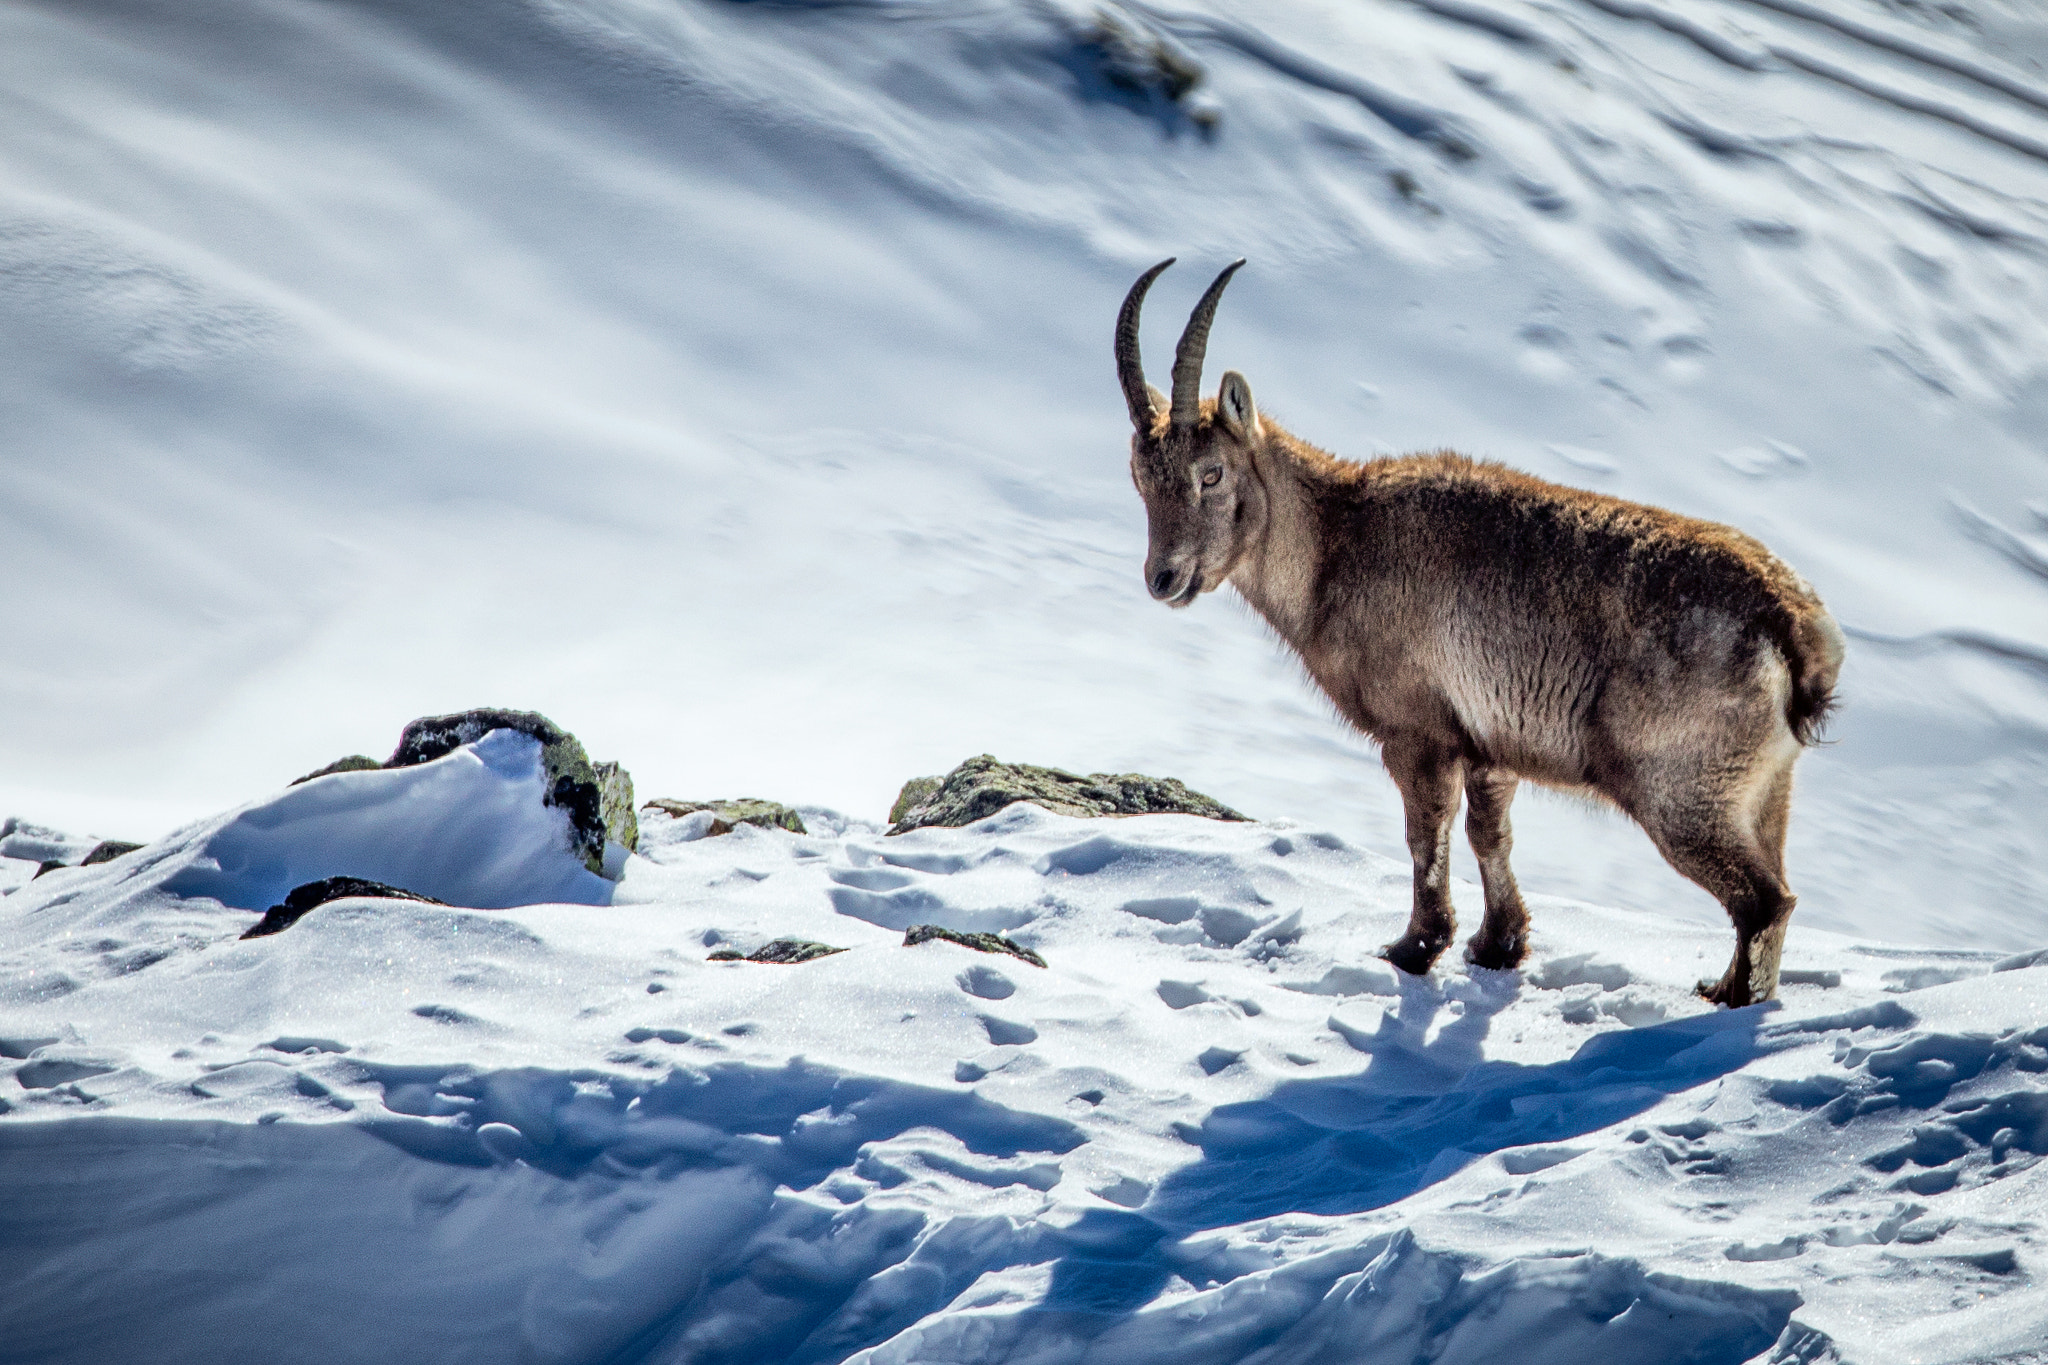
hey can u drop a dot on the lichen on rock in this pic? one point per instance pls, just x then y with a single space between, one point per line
914 792
615 799
786 952
981 943
742 810
984 785
354 763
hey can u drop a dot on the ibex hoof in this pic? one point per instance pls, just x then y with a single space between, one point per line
1724 992
1498 957
1413 955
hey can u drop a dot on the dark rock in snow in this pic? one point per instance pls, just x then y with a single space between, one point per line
572 779
354 763
615 800
49 865
106 850
742 810
981 943
783 951
982 786
278 918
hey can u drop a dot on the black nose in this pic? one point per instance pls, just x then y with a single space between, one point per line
1161 581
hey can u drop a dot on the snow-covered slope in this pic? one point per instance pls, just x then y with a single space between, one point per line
731 380
1211 1129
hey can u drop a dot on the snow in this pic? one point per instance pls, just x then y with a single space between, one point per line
731 383
1212 1128
470 828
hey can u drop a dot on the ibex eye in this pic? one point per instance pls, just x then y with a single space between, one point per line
1212 478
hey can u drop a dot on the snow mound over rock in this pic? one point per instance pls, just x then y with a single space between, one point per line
468 829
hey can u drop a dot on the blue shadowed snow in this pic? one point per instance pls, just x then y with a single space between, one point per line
1347 1144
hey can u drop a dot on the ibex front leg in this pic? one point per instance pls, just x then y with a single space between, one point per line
1430 780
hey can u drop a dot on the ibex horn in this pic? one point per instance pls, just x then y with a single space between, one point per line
1194 343
1130 370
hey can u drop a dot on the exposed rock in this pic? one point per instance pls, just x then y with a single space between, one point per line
615 800
278 918
915 792
105 851
742 810
354 763
982 786
784 951
981 943
572 781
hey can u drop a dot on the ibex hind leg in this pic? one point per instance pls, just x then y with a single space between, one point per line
1429 780
1719 846
1503 938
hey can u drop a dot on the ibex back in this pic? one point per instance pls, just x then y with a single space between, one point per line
1485 627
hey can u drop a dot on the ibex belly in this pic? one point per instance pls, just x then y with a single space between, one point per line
1525 703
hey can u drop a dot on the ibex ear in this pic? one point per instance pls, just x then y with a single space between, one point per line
1234 405
1159 401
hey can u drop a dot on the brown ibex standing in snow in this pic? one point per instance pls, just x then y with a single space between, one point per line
1485 626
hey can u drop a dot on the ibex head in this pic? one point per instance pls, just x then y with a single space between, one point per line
1192 461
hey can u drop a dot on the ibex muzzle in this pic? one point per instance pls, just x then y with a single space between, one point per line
1488 627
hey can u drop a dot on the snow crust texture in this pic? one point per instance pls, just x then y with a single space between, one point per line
732 380
1212 1129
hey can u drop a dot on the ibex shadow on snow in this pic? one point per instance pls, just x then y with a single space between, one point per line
1485 627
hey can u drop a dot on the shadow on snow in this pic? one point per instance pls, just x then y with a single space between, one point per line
1418 1113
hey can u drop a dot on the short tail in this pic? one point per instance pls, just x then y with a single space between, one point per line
1814 653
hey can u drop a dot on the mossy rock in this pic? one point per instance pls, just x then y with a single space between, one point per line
743 810
312 895
981 943
786 952
615 799
982 786
572 780
354 763
105 851
915 792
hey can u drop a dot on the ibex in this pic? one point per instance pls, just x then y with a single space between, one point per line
1485 627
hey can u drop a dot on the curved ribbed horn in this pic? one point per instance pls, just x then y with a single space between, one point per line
1130 370
1194 343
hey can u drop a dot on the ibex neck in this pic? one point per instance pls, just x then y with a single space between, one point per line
1278 571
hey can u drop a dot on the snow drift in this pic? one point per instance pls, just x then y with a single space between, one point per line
734 378
1212 1129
